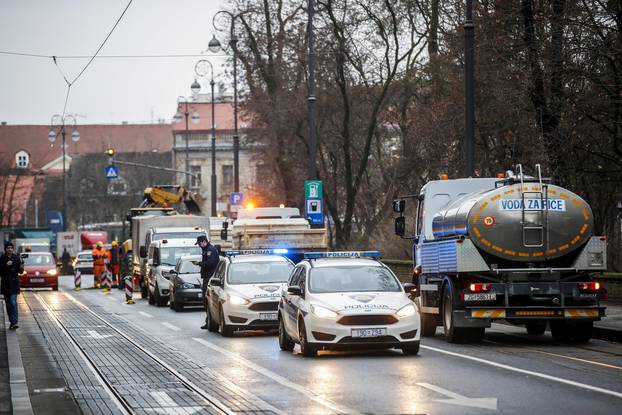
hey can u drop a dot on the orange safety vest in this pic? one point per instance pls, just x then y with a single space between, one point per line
98 256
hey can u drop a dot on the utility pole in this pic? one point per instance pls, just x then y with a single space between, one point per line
311 99
469 92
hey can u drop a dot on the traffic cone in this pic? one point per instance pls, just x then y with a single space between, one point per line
77 280
129 290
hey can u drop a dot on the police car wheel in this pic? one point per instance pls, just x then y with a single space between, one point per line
171 304
151 298
159 300
428 324
285 343
225 329
307 349
410 349
212 326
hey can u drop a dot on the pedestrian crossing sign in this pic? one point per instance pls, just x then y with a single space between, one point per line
112 172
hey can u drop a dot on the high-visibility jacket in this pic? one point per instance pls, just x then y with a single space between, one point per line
99 255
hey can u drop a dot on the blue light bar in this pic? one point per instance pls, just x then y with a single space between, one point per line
344 254
275 251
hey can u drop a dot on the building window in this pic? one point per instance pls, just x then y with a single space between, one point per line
227 176
195 179
21 160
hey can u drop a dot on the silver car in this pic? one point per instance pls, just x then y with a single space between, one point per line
185 283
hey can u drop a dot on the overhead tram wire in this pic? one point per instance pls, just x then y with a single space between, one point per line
157 56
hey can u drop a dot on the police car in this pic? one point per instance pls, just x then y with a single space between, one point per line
343 300
244 292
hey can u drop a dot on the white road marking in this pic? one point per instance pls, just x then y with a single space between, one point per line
96 335
142 313
278 378
168 405
170 326
456 399
527 372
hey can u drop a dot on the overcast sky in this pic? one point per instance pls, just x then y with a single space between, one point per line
111 90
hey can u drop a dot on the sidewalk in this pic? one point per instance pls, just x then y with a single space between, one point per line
5 389
610 327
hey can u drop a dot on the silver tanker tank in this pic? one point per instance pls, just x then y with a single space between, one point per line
528 222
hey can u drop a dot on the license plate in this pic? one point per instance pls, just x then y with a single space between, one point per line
480 297
37 280
369 332
268 316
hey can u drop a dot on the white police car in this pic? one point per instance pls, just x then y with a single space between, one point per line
244 292
343 300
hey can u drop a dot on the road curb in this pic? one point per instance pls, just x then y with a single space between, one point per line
20 398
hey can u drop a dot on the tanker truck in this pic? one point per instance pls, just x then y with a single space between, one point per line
517 248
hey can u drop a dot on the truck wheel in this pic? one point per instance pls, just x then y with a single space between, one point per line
561 331
582 332
428 324
536 328
453 334
285 343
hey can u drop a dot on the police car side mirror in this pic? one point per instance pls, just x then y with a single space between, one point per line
400 226
294 290
215 281
409 287
399 206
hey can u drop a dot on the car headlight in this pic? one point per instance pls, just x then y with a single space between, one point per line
186 285
406 311
322 312
52 272
236 300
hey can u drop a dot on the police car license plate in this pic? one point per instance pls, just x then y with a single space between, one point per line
480 297
369 332
36 280
268 316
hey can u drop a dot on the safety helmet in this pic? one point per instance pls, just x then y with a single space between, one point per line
100 244
115 243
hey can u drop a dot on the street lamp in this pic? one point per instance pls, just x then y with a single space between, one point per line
195 88
59 122
201 70
215 46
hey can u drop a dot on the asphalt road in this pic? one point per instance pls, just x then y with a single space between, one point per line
509 372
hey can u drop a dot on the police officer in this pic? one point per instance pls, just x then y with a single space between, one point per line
208 264
11 266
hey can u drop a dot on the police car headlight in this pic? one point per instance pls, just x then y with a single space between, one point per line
52 272
186 285
237 300
406 311
322 312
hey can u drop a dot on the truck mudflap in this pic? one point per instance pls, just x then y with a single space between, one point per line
535 313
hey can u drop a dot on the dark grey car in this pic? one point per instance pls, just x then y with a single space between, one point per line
185 283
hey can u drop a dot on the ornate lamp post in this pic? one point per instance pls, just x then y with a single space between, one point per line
58 123
195 88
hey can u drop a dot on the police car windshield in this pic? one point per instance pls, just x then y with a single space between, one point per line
176 235
169 256
41 259
187 267
259 272
352 279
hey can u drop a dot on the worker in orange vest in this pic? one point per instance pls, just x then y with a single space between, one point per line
99 267
114 258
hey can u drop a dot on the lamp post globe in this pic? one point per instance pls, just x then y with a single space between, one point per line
195 87
75 136
52 136
214 45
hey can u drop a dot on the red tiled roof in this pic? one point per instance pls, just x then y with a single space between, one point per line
94 138
223 116
15 192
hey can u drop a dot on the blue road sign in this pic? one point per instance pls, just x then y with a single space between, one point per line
236 199
314 211
112 172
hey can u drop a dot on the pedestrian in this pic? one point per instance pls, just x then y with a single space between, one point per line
65 259
99 258
114 258
209 262
11 265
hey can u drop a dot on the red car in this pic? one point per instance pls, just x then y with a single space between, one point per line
40 271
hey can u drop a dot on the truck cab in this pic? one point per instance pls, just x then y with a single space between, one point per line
162 257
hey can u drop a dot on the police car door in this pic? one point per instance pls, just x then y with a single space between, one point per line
215 292
289 308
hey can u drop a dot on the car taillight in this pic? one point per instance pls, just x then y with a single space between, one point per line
589 286
479 287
